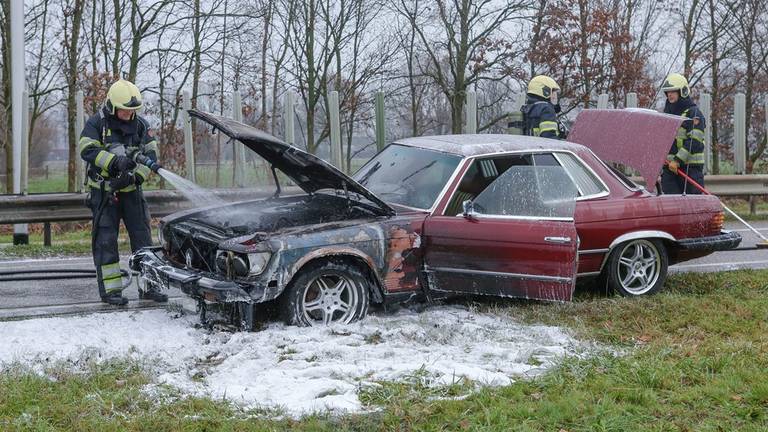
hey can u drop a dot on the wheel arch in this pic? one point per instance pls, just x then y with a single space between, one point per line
343 254
669 240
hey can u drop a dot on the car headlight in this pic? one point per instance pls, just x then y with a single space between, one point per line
258 261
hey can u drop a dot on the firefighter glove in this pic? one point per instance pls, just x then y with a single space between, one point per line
122 164
673 166
121 181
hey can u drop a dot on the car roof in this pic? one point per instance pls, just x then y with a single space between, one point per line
480 144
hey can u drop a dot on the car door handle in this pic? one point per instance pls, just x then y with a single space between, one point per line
557 239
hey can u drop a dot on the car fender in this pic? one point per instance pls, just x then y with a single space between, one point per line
635 235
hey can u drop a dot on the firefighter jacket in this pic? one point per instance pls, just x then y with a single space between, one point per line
539 118
688 146
105 136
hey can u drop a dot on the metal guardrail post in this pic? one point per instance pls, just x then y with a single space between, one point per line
189 146
333 114
380 132
238 149
602 101
631 100
471 112
705 103
739 133
79 125
47 234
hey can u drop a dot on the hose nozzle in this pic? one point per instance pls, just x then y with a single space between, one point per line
147 161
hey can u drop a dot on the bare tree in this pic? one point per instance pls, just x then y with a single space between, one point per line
72 17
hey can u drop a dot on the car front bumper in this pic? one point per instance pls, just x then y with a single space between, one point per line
156 269
726 240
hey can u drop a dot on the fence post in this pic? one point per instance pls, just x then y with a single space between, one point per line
238 149
333 114
25 143
602 101
79 125
471 112
705 103
380 132
739 133
189 147
288 117
631 100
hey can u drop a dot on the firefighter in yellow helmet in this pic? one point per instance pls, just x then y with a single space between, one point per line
541 108
687 150
111 143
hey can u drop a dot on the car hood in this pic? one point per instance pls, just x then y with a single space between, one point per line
308 171
638 138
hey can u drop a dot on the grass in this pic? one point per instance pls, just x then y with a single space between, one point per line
66 239
694 359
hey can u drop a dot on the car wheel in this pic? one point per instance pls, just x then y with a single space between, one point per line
325 293
637 267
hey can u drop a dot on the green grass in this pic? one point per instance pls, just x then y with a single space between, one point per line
694 358
75 241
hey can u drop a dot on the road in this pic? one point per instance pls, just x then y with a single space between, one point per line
58 297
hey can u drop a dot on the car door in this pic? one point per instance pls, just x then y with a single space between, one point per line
517 238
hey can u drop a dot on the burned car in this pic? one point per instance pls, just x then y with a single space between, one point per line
427 218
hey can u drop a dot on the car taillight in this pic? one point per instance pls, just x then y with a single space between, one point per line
717 222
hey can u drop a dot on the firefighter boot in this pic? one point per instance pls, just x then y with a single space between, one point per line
153 294
115 298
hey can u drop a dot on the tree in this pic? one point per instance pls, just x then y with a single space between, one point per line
72 16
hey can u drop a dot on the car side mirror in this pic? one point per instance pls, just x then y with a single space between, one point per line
468 210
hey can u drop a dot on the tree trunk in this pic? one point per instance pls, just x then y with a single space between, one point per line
72 63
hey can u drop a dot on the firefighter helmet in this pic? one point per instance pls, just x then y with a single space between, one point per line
123 95
676 82
543 86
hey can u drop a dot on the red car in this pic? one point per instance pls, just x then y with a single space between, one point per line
428 217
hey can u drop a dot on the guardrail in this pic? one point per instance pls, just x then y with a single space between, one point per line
732 185
65 207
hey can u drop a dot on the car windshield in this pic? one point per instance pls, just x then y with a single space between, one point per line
408 176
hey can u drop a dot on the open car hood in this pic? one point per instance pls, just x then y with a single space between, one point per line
309 172
637 138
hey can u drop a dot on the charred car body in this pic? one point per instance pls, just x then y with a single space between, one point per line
427 217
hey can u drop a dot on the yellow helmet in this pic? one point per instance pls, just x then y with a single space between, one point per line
676 82
123 95
543 86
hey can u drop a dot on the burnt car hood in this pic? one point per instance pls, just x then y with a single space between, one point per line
636 137
308 171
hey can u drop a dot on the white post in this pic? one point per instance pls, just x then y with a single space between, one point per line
631 100
79 125
18 81
471 112
705 103
288 117
333 114
238 149
739 133
189 148
602 101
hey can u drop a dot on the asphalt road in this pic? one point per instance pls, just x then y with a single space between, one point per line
40 298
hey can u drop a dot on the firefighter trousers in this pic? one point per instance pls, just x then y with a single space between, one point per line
673 184
108 210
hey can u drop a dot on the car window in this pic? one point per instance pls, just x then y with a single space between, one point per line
586 182
544 192
409 176
479 176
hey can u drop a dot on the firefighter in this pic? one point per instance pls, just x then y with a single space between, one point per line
110 143
541 108
687 151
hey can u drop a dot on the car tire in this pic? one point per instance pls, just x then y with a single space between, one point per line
327 292
637 267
